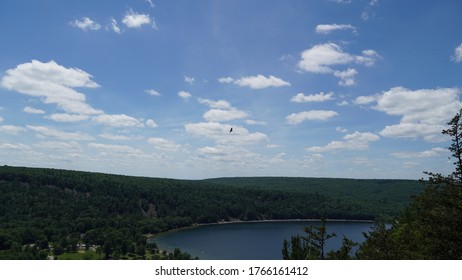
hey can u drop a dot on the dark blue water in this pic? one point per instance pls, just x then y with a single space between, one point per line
251 241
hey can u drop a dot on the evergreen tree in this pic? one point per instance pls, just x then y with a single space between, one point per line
430 227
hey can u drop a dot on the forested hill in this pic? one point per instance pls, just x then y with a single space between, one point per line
379 197
60 208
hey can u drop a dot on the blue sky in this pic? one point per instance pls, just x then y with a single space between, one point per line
328 88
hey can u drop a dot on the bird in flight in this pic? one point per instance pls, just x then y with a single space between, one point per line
231 130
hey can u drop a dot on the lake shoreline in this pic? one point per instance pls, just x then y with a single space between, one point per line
259 239
195 225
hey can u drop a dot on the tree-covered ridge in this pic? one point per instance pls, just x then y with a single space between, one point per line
383 198
50 211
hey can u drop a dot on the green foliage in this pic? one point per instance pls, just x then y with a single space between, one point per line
383 199
311 246
60 211
430 226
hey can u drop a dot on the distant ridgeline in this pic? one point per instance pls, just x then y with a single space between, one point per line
63 209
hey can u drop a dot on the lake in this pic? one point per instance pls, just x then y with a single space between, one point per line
251 240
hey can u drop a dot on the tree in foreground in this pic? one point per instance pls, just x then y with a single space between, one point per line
430 227
312 246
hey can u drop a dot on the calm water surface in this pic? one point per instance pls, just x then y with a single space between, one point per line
251 241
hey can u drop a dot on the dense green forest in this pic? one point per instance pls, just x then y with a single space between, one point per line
380 198
50 212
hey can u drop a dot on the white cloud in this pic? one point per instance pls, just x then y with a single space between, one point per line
32 110
256 82
423 154
319 97
356 141
220 104
53 84
226 80
424 113
323 58
341 1
189 80
347 77
457 54
164 145
151 3
150 123
217 115
85 24
114 26
220 133
67 117
254 122
118 120
343 103
1 119
11 129
152 92
328 28
120 149
368 57
9 146
363 100
135 20
341 129
114 137
320 58
59 145
44 131
184 94
313 115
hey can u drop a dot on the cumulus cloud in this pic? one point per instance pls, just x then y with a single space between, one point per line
362 100
119 149
220 104
423 154
152 92
318 97
347 77
67 117
221 110
184 94
328 28
85 24
256 82
53 84
163 144
150 123
217 115
117 120
134 20
324 58
11 129
220 133
44 132
31 110
356 141
424 113
114 137
313 115
254 122
457 57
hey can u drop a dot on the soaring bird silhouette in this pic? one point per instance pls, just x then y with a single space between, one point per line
231 130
